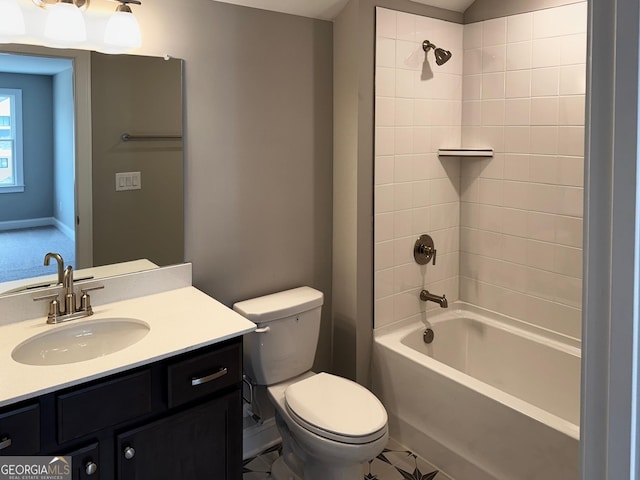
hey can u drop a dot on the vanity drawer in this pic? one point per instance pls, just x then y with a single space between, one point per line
103 404
20 431
203 374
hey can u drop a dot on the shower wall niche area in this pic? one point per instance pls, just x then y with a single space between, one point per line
508 229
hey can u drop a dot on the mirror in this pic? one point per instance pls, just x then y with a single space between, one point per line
118 204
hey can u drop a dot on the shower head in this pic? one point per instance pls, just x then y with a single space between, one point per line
442 56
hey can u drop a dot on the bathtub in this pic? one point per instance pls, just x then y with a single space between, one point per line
490 398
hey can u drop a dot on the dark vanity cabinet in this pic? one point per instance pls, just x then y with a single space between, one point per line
177 418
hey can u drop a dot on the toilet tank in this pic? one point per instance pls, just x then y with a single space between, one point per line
284 344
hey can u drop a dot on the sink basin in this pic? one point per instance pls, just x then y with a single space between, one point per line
79 342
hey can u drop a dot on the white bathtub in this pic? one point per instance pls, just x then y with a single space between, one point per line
490 398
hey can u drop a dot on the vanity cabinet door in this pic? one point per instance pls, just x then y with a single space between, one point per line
203 442
85 463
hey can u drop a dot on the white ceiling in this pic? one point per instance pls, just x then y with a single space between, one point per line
329 9
455 5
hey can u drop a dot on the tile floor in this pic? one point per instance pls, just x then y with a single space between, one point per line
394 463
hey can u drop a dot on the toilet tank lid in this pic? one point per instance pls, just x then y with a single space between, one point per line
280 305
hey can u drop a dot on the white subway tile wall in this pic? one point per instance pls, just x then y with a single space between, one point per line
527 262
508 230
418 110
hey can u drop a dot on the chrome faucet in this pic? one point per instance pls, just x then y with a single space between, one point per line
58 258
69 309
425 296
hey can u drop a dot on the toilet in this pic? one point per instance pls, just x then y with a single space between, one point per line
329 425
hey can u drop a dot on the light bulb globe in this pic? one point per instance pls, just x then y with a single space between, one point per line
65 24
11 19
123 31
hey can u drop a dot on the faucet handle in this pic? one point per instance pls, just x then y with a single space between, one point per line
85 299
54 305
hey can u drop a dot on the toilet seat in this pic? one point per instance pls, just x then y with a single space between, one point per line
336 408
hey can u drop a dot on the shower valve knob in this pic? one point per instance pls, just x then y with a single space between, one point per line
424 250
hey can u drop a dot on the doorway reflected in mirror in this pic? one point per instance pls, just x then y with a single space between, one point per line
37 207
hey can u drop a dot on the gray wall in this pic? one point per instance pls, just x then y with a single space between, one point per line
258 186
37 116
140 96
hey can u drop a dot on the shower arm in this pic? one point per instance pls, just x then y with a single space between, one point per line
427 45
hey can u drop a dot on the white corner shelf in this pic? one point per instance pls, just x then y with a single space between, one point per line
465 152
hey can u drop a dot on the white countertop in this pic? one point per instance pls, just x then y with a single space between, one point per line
181 320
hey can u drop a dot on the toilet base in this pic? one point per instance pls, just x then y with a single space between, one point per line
297 464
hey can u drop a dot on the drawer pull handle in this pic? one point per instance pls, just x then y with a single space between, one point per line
5 443
200 380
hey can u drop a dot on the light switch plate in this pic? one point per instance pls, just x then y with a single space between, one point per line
128 181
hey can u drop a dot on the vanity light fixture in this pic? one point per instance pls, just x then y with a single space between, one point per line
11 19
65 24
123 30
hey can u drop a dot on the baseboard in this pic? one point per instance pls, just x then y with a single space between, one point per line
28 223
69 232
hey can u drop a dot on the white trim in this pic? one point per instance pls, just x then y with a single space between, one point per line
69 232
37 222
16 128
12 189
28 223
609 374
83 163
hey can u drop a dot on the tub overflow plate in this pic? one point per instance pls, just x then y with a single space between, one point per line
428 335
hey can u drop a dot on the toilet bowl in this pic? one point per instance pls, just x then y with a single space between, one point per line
333 423
329 425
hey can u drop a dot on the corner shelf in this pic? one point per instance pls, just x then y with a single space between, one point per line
465 152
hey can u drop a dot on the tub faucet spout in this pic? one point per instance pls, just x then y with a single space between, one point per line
425 296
